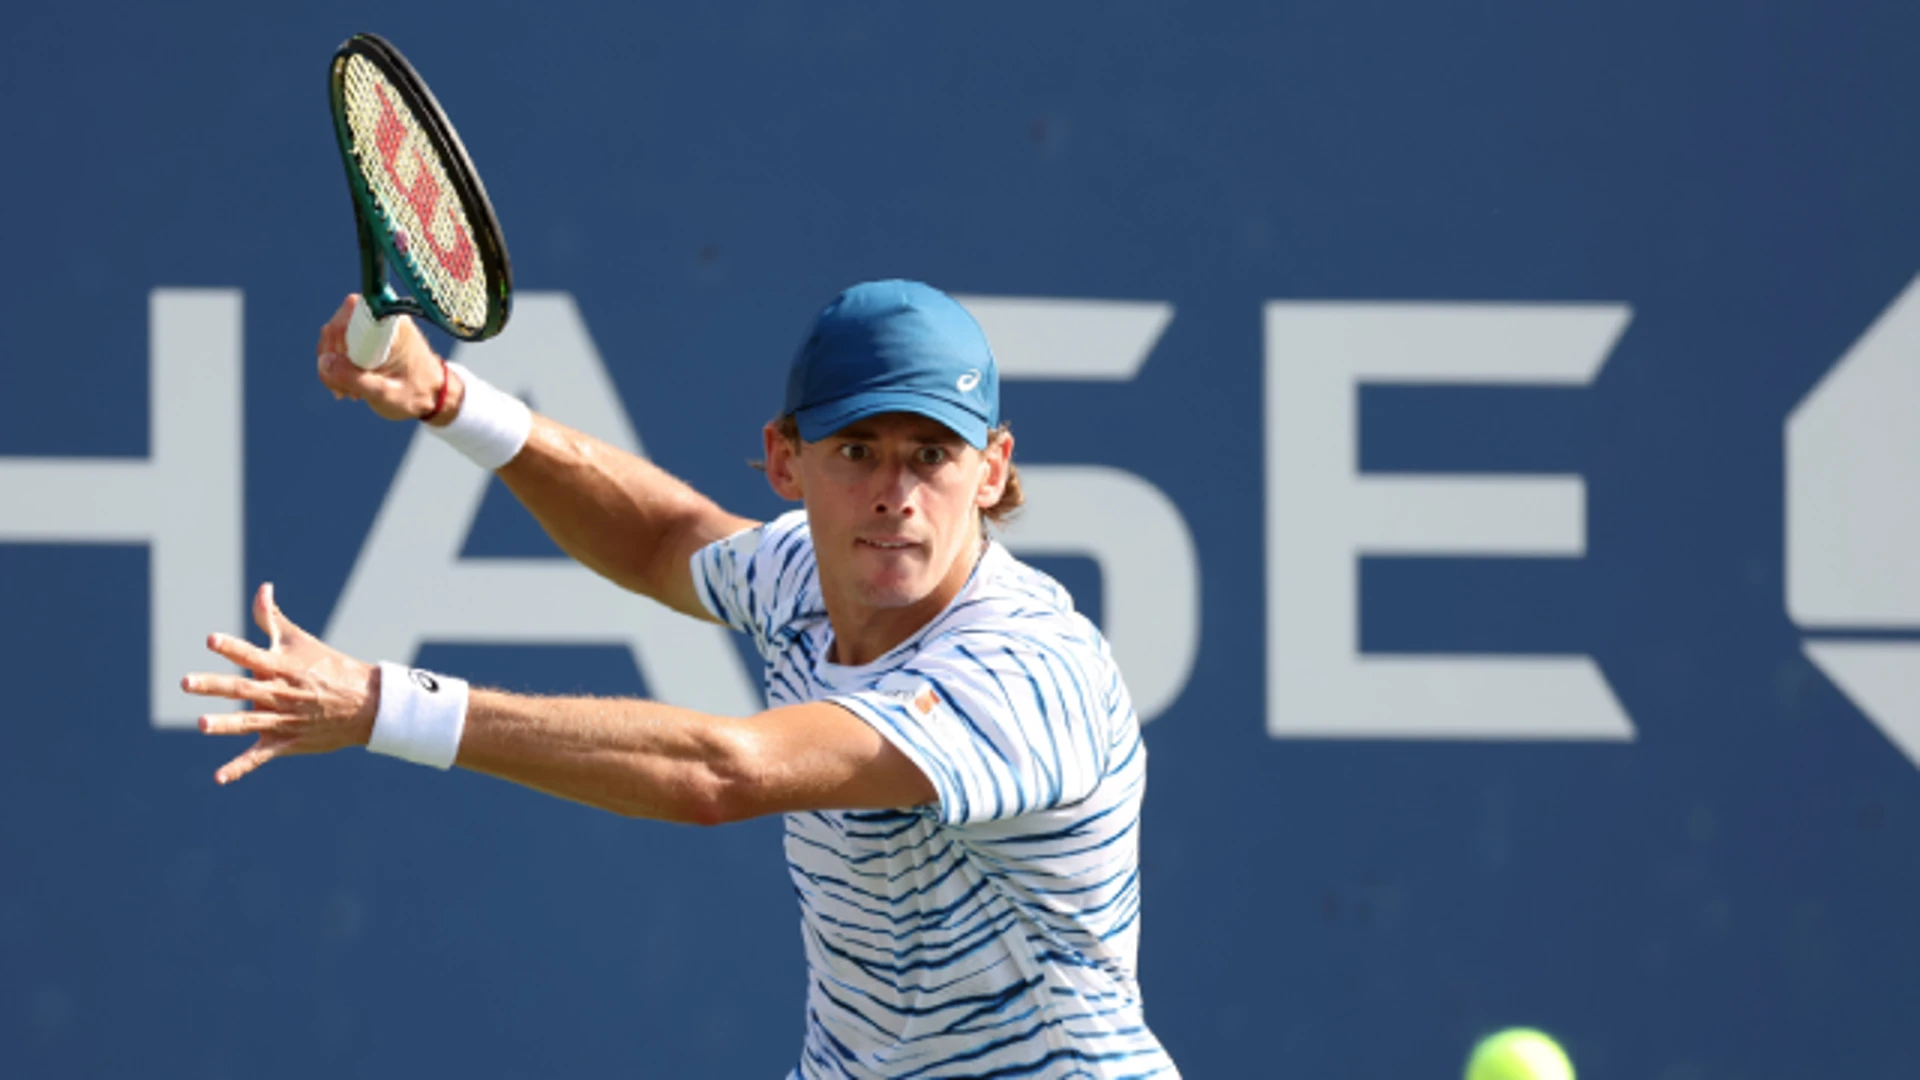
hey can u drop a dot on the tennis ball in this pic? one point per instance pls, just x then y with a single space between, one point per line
1519 1054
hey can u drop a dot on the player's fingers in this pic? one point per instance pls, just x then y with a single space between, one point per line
266 615
255 756
333 336
271 695
342 376
255 722
395 390
321 367
285 630
244 653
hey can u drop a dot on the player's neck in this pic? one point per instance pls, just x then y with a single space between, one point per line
863 634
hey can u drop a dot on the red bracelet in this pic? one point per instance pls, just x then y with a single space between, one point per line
439 399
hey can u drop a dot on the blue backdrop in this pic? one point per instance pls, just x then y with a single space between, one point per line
1730 893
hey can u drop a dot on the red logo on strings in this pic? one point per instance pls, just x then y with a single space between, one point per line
423 194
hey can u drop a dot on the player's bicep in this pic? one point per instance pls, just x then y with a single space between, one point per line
617 513
671 571
820 756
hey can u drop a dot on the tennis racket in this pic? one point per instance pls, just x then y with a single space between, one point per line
418 204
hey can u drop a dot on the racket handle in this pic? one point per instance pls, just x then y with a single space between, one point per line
368 338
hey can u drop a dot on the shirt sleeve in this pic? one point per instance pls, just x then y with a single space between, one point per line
757 579
1003 726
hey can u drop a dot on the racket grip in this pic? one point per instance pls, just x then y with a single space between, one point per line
368 338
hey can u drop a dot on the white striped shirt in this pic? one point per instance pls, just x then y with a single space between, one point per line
993 933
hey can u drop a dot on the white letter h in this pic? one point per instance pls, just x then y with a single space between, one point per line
183 501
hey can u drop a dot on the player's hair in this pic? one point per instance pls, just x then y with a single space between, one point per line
1012 497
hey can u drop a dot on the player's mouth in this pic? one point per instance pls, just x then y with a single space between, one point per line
886 543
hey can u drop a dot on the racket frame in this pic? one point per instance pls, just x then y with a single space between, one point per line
377 248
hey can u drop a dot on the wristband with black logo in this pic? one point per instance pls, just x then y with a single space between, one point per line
421 716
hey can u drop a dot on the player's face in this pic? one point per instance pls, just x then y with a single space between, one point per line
892 502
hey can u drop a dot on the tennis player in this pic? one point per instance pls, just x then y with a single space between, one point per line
955 752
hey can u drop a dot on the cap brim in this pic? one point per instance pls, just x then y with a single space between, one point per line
819 421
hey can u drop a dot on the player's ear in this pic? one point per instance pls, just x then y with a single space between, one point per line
782 455
996 465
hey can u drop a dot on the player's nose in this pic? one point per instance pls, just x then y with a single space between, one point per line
894 495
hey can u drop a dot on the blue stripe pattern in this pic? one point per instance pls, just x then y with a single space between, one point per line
993 933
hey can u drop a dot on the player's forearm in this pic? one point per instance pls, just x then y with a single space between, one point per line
632 757
616 513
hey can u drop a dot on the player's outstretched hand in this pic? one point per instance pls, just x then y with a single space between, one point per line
306 696
403 388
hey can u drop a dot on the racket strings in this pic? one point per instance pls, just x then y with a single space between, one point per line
409 185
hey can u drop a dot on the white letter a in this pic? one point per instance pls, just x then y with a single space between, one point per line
410 584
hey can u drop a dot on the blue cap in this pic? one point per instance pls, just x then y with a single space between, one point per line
894 346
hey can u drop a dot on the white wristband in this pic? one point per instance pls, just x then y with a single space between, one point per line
491 426
421 716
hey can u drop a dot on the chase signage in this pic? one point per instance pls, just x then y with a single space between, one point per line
1853 523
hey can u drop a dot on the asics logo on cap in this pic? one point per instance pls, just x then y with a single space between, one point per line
968 381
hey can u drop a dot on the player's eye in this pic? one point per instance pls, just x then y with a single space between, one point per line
854 451
931 455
